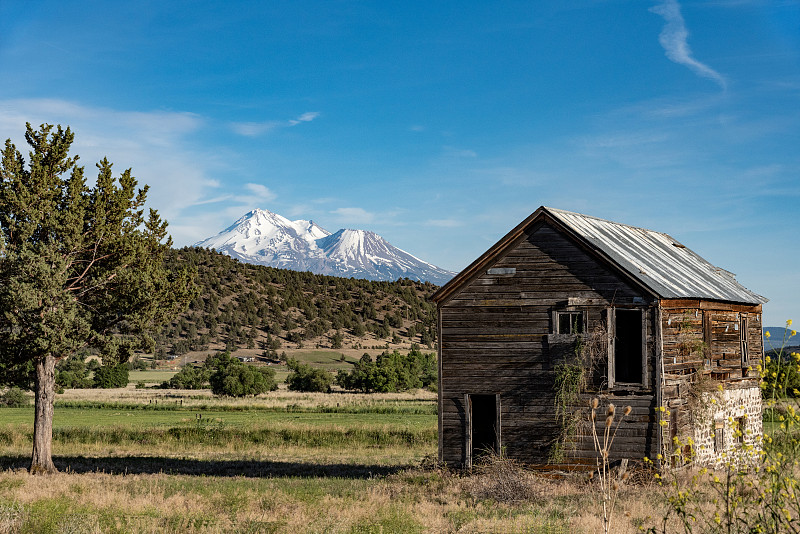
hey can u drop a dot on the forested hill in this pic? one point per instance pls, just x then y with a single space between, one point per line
252 306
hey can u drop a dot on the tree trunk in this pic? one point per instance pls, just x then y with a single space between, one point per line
42 458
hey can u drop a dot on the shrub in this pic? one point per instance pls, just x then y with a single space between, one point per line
231 377
306 378
111 376
72 373
14 398
189 377
138 365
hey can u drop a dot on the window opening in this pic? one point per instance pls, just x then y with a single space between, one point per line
743 341
569 322
741 426
719 436
628 346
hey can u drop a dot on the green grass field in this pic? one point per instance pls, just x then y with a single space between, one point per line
143 418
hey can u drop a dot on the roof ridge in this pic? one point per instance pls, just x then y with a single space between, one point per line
609 221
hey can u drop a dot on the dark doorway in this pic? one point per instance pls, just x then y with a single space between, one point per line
628 346
483 424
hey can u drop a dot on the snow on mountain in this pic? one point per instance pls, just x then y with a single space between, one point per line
266 238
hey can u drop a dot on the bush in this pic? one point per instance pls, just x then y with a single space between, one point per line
14 398
111 376
138 365
231 377
306 378
72 373
189 377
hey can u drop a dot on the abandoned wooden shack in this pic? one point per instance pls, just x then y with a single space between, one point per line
567 307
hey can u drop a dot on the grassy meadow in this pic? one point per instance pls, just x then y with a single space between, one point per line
151 460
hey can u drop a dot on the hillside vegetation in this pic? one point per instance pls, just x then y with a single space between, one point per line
257 307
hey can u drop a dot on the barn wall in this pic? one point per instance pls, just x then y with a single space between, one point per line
495 339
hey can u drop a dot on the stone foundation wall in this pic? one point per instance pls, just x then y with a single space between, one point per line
717 424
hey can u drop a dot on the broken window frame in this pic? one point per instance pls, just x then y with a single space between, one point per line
558 315
719 436
743 340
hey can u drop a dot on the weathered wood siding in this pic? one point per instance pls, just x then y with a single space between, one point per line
494 341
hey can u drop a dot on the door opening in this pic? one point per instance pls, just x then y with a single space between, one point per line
484 426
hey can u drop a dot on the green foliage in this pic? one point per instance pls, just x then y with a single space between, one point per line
111 376
189 377
71 373
390 372
138 365
783 378
231 377
80 267
336 340
569 381
303 377
14 398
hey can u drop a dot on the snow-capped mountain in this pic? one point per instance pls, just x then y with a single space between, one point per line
266 238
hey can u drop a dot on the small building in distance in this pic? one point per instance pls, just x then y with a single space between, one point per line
643 320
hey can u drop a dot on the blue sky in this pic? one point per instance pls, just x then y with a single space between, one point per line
439 125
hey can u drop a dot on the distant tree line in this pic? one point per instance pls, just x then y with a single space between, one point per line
391 372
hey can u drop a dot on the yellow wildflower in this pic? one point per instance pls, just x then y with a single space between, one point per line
788 322
766 334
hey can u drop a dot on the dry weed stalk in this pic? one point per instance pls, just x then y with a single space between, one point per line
609 486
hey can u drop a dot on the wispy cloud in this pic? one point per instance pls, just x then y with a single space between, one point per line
673 39
254 129
261 192
305 117
354 215
155 144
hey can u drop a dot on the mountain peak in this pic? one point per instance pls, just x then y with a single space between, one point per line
266 238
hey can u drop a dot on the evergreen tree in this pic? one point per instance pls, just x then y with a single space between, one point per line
79 267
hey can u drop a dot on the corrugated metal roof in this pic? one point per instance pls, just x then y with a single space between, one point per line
657 260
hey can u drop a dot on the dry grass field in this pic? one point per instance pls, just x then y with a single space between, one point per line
147 460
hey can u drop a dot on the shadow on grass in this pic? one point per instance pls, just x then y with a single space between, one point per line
130 465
